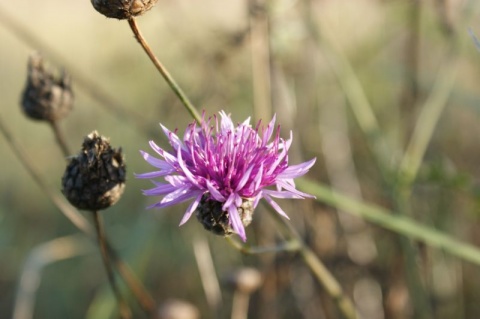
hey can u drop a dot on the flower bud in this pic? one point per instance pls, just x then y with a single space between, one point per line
213 218
46 97
95 178
123 9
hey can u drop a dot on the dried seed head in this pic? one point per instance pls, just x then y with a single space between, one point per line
95 178
123 9
46 97
211 215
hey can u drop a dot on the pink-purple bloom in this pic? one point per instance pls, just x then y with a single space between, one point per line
228 163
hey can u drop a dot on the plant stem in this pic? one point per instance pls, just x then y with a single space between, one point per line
386 219
319 270
105 100
125 312
291 245
60 138
141 294
163 71
139 291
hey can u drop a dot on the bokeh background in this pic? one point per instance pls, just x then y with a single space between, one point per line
312 62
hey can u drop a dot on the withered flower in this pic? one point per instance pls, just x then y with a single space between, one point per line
46 97
95 178
123 9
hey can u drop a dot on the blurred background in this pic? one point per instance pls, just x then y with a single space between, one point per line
324 67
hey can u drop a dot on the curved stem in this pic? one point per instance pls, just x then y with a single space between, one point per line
60 138
163 71
134 284
125 312
319 270
291 245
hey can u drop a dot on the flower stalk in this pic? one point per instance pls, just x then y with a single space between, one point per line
163 71
125 312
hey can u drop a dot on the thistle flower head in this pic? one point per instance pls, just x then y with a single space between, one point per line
226 168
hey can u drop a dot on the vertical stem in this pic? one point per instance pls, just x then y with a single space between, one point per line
319 270
125 312
163 71
133 283
60 138
260 55
240 305
410 90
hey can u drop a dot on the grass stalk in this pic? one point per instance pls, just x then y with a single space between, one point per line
386 219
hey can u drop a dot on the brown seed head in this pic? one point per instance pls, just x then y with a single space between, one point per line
46 97
211 215
123 9
95 178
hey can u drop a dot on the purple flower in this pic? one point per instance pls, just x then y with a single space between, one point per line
226 165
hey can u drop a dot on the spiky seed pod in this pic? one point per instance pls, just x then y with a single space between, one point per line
123 9
46 97
95 178
213 218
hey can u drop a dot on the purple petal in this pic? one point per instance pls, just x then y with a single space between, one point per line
236 222
275 206
293 190
159 190
295 171
191 208
214 192
154 174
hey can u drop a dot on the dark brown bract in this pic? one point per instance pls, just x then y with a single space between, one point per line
123 9
95 178
213 218
46 97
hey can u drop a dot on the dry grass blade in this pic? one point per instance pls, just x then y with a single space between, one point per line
41 256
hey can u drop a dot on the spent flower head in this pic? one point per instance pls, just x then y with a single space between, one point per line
94 179
47 96
123 9
226 170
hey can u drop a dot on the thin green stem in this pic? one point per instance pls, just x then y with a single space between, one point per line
319 270
295 243
24 33
427 121
134 284
291 245
60 138
163 71
125 312
386 219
